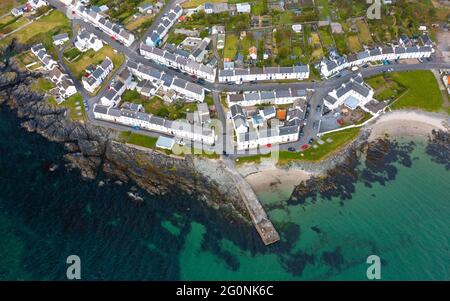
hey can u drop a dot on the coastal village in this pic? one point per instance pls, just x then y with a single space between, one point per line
299 77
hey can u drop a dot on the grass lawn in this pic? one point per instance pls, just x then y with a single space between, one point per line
195 3
176 38
422 91
137 139
353 43
41 30
259 7
385 87
72 103
42 85
324 10
91 57
231 44
364 32
325 36
339 140
158 107
7 5
13 25
25 58
72 54
133 24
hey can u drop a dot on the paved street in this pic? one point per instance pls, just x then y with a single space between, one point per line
321 88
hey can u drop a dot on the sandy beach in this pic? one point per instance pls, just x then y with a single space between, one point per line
407 124
273 178
393 124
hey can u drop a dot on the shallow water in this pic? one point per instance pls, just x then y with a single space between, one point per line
46 216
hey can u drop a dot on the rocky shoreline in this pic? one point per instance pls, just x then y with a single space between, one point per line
91 149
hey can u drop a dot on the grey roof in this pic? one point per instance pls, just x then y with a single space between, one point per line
100 109
60 36
363 54
106 63
283 93
114 112
236 110
110 94
236 97
387 50
400 50
157 120
194 88
97 73
375 51
251 96
288 130
132 65
179 82
330 99
299 93
267 95
269 111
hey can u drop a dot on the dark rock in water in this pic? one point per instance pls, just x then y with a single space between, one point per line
296 263
91 149
316 229
380 156
334 259
438 148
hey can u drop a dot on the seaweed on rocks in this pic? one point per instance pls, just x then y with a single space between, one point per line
438 147
379 166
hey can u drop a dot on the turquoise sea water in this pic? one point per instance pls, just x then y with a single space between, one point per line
46 216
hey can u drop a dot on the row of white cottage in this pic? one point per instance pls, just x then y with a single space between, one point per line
167 21
177 61
94 80
298 72
167 82
352 94
63 82
288 132
277 97
180 129
98 20
329 67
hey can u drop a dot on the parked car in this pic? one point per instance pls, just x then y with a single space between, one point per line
318 108
200 81
252 82
291 149
311 141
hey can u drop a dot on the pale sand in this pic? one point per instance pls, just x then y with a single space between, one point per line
393 124
273 178
407 124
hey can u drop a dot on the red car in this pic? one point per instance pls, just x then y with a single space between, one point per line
305 146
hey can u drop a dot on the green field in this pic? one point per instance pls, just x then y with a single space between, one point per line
231 44
339 139
7 5
41 31
137 139
42 85
91 57
158 107
71 104
422 91
385 87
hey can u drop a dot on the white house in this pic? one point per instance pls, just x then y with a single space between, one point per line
86 40
134 118
332 66
94 80
35 4
297 28
97 19
60 39
243 8
167 82
157 35
276 97
177 61
263 74
47 61
354 93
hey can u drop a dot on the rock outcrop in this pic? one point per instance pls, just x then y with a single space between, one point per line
91 149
